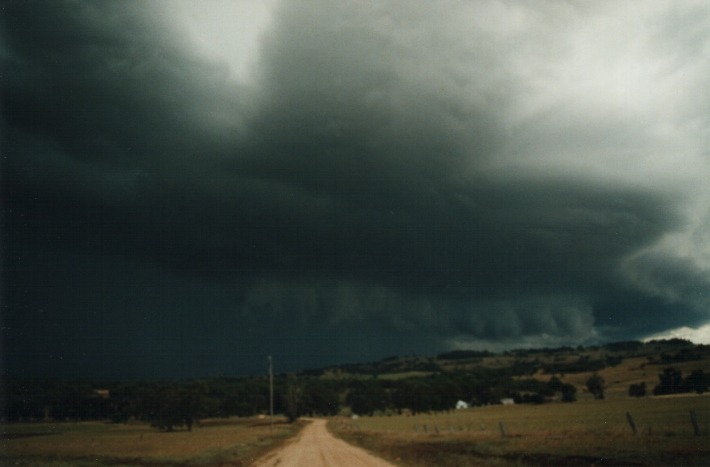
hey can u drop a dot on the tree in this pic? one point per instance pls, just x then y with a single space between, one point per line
411 394
321 398
569 392
595 385
670 382
192 402
555 384
637 390
697 381
293 400
365 397
164 402
171 405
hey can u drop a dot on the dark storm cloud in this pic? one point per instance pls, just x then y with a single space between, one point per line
396 179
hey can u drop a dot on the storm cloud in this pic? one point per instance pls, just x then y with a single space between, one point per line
388 177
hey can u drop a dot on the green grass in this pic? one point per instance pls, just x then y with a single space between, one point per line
585 432
215 442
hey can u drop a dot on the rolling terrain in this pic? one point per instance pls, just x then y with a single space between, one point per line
650 406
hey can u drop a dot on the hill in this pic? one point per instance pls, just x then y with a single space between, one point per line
620 364
396 384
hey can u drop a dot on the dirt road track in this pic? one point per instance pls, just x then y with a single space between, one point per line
316 447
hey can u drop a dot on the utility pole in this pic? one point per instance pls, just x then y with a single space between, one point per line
271 396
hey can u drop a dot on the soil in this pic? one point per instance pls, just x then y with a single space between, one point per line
316 447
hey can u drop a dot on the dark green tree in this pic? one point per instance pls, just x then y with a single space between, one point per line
569 392
595 385
171 405
292 399
192 398
365 397
697 381
321 397
163 402
670 382
555 384
637 390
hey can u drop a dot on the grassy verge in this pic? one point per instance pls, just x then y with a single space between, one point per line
216 442
582 433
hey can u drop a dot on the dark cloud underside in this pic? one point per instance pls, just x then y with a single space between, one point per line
397 179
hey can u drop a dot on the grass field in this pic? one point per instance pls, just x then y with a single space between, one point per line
582 433
216 442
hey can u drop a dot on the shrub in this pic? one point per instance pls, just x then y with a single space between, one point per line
595 385
637 390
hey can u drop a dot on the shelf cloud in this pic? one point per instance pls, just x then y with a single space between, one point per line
344 181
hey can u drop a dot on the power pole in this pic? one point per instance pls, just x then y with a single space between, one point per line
271 396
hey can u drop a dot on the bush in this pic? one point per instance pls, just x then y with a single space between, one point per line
637 390
595 385
569 393
697 381
670 382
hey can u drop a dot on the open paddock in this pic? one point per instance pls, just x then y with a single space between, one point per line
581 433
234 441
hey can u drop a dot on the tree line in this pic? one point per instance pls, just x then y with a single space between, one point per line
168 405
172 404
671 381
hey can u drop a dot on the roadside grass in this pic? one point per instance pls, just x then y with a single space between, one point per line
231 441
582 433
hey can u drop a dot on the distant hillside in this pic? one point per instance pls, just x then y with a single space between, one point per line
619 364
528 361
396 384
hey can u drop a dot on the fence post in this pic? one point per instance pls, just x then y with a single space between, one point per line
630 419
502 429
694 421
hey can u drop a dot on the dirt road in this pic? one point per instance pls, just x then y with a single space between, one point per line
316 447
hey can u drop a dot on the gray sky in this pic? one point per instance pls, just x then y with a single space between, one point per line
189 187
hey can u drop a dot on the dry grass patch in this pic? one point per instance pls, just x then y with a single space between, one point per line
233 441
632 370
560 434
